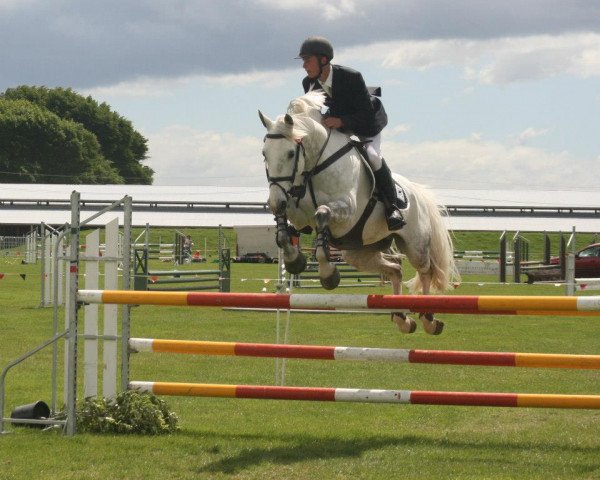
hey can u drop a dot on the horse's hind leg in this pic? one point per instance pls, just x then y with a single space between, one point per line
430 324
405 323
372 260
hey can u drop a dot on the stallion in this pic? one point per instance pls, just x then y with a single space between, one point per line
318 178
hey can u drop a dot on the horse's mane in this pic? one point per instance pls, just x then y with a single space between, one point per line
309 104
305 110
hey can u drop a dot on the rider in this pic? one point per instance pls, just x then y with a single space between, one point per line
352 110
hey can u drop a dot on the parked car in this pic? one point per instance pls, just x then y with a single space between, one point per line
255 258
587 262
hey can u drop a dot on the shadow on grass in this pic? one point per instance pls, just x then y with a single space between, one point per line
298 449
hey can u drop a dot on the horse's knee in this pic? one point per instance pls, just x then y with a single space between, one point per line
322 217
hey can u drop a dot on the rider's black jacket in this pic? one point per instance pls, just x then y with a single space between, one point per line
362 113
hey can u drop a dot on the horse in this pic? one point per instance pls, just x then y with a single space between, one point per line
319 180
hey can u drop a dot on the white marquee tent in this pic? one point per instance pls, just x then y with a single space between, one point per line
33 203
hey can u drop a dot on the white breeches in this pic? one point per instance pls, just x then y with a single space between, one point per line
374 151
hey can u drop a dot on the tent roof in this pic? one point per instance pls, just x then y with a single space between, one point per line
206 206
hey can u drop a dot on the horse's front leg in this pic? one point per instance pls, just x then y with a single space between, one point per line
293 258
328 272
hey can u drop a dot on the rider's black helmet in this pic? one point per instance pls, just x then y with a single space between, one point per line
319 46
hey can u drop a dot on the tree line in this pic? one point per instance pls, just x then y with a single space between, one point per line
58 136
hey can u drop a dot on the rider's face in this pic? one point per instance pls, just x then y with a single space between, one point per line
310 63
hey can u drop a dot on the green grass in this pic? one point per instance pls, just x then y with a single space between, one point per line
228 438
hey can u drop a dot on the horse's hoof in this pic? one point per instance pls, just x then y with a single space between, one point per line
430 324
331 281
405 324
296 266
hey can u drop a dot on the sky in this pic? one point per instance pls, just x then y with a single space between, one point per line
494 94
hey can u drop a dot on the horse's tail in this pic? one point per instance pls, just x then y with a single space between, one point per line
444 273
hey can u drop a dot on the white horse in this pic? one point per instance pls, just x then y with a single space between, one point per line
317 178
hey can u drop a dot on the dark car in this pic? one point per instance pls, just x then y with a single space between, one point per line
257 257
587 262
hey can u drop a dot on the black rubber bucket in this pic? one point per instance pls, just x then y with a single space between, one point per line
32 411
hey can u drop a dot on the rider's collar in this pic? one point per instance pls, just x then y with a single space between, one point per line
327 84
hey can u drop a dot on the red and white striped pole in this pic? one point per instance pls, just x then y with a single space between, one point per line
497 305
370 395
315 352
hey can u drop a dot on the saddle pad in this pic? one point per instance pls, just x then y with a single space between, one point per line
401 198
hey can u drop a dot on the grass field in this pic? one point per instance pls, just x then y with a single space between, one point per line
228 438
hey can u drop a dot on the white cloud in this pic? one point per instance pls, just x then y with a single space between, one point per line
330 9
539 57
141 87
493 61
395 130
476 163
184 156
530 133
269 79
167 87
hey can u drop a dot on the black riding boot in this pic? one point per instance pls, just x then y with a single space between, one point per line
387 189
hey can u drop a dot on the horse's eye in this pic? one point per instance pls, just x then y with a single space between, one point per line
291 154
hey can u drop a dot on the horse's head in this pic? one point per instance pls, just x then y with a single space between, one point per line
284 158
292 145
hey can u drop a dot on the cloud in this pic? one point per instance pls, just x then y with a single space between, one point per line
87 44
395 130
530 133
542 57
141 87
332 10
166 87
494 61
185 156
475 163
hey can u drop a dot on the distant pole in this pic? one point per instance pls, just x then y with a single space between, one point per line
547 248
517 257
503 257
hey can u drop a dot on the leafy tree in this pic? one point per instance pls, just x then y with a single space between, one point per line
37 146
120 144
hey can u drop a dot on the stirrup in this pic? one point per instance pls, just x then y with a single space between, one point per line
394 219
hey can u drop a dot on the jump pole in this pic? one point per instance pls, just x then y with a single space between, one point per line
317 352
452 304
472 399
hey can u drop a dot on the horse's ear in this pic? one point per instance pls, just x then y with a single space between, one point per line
266 121
289 121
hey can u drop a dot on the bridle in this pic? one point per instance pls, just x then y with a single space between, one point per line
275 181
298 191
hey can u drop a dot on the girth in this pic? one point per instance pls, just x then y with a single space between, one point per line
353 239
